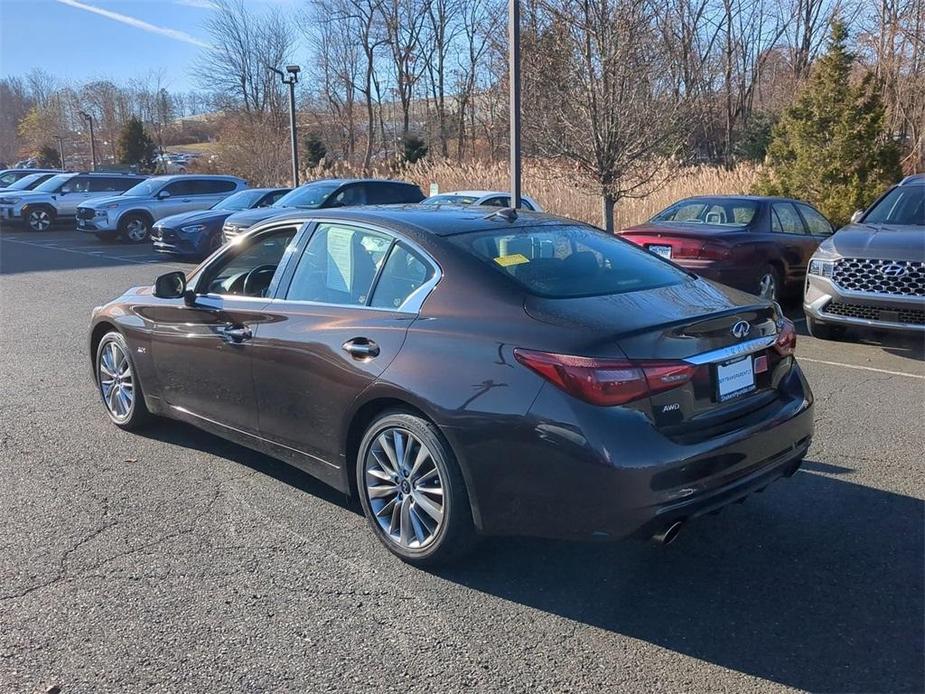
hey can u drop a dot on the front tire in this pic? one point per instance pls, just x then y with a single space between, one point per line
39 218
118 384
135 228
824 331
412 491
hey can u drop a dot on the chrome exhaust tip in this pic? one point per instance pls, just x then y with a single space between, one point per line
667 535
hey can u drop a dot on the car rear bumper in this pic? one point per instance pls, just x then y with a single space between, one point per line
826 303
731 274
585 472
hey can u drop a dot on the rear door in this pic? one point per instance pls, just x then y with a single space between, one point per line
210 191
793 239
335 326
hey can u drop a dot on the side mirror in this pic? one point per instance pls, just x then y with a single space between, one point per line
170 286
856 217
163 195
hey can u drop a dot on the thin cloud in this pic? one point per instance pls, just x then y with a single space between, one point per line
174 34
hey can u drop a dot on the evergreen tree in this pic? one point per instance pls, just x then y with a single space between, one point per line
413 148
135 146
830 147
315 150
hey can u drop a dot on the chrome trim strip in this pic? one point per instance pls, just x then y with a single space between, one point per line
185 411
732 351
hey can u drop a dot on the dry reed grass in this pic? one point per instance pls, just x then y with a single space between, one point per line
563 192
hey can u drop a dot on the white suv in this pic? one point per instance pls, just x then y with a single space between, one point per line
59 196
131 216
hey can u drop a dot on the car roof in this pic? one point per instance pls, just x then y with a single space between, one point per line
214 177
342 181
754 198
914 179
437 220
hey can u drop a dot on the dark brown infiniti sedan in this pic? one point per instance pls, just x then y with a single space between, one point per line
465 374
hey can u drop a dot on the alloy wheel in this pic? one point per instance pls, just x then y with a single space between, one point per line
136 229
116 382
767 286
39 220
405 488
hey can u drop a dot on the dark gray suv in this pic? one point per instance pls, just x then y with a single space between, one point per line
871 273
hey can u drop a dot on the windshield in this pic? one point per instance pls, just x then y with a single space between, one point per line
570 261
54 183
714 211
26 182
146 188
310 196
450 200
242 200
904 205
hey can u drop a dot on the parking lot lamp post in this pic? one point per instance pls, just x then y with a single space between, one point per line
291 78
87 117
514 71
60 141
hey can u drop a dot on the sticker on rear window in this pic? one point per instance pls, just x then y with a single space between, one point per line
515 259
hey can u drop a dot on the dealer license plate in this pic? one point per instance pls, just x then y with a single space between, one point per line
664 251
734 378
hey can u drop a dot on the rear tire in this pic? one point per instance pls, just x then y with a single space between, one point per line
135 228
424 486
824 331
39 218
769 284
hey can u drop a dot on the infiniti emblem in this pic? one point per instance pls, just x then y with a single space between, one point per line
893 270
741 329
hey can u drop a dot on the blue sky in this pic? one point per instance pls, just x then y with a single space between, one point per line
79 40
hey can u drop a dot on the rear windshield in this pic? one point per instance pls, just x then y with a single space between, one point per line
716 211
570 261
450 200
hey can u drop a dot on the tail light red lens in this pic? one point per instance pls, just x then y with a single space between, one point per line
606 382
786 342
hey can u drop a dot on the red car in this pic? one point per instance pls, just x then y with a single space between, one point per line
760 245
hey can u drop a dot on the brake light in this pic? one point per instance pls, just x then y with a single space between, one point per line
606 382
786 342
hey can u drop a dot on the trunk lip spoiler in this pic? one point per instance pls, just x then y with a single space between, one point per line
731 351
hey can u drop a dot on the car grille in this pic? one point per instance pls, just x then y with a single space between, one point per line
85 213
897 277
910 316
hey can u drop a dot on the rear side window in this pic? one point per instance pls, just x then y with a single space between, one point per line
817 224
207 186
570 261
392 194
404 273
784 218
111 184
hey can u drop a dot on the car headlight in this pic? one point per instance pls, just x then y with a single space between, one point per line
193 228
111 206
822 268
9 201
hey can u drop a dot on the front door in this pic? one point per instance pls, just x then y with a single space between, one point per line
202 353
333 330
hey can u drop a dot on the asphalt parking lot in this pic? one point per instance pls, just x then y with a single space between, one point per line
175 561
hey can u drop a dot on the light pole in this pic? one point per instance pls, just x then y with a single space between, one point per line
87 117
61 151
513 38
291 80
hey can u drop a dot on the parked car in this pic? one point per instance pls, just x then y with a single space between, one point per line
490 198
325 194
465 374
760 245
871 273
10 176
200 233
130 216
59 197
28 182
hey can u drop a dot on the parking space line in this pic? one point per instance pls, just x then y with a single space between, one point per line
93 255
861 368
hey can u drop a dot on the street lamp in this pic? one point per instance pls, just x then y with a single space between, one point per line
513 38
291 80
87 117
61 151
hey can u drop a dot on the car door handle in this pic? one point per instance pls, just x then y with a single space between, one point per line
236 333
361 348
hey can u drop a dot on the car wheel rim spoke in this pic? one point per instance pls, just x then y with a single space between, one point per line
404 488
116 382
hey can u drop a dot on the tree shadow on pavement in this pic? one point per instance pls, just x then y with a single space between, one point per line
816 584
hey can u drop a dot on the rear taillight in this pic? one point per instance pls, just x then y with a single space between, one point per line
786 342
606 381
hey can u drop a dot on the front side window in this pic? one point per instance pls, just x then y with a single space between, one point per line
8 178
242 200
350 196
146 188
570 261
78 184
815 222
53 184
714 211
249 271
28 182
183 187
784 218
404 273
338 265
904 205
308 196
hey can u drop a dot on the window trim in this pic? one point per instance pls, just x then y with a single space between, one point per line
412 304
